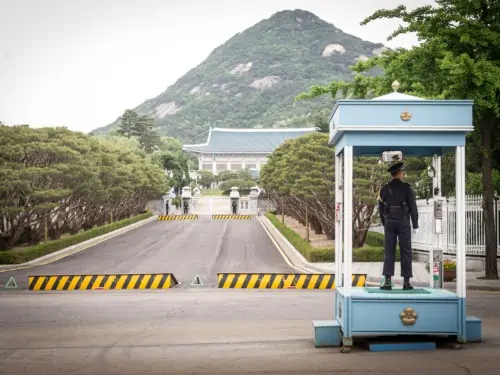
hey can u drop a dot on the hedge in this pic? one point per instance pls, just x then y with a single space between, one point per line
33 252
373 251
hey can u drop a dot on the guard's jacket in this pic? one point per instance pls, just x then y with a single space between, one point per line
397 201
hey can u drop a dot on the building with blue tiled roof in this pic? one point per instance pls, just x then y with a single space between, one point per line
236 149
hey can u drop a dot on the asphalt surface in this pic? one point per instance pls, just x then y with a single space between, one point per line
184 248
199 330
207 331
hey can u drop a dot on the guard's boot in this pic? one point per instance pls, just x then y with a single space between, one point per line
406 284
387 285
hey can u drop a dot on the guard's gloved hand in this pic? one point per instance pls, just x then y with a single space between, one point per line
414 232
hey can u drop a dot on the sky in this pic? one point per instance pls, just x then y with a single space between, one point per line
81 63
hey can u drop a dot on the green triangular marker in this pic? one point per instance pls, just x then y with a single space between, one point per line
9 282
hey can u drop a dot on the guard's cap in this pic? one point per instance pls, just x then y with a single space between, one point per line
396 167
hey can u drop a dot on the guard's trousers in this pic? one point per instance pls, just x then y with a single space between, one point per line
394 229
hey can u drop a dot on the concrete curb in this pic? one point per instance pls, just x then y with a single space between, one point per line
78 247
293 255
298 260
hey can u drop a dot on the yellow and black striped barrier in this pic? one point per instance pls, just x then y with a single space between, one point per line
177 217
98 282
232 217
283 281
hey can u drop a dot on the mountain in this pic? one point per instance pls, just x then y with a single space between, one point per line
252 79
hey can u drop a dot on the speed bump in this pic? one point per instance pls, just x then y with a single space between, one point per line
283 281
177 217
231 217
97 282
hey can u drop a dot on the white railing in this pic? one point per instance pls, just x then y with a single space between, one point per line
446 241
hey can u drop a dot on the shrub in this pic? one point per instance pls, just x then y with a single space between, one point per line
374 239
37 251
449 264
322 255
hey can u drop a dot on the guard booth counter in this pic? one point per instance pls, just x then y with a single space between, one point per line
234 197
186 200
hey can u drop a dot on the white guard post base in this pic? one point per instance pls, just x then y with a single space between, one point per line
418 128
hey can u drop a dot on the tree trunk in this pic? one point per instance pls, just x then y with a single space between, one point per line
329 232
316 225
491 271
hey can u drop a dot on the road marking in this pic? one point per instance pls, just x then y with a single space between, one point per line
279 249
221 238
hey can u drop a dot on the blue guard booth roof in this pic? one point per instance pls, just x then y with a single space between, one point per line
400 122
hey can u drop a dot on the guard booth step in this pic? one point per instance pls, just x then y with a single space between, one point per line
283 281
107 281
177 217
232 217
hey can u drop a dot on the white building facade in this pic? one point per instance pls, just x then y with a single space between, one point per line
237 149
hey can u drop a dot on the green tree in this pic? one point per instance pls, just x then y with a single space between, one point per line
128 122
206 178
458 58
299 177
68 181
145 129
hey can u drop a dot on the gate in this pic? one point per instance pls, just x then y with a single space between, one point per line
217 205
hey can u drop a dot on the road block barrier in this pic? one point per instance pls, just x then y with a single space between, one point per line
283 281
232 217
98 282
177 217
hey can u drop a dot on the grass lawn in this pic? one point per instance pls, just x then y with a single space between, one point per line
211 192
25 254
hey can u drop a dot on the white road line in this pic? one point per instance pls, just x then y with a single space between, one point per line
221 238
280 250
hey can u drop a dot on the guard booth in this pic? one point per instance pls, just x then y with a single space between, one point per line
393 127
187 200
234 198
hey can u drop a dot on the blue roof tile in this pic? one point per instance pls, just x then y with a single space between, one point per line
223 140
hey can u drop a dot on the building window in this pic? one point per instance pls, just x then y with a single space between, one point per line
235 167
206 167
251 166
221 167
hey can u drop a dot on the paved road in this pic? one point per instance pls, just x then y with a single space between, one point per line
207 331
185 248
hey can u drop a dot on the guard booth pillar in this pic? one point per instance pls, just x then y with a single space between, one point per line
186 199
234 197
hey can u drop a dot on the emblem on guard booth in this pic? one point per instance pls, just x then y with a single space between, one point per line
408 316
405 116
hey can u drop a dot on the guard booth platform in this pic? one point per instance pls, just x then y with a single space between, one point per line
395 126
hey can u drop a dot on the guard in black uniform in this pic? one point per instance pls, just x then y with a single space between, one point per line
396 206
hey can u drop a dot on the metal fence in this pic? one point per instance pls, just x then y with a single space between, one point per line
474 222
